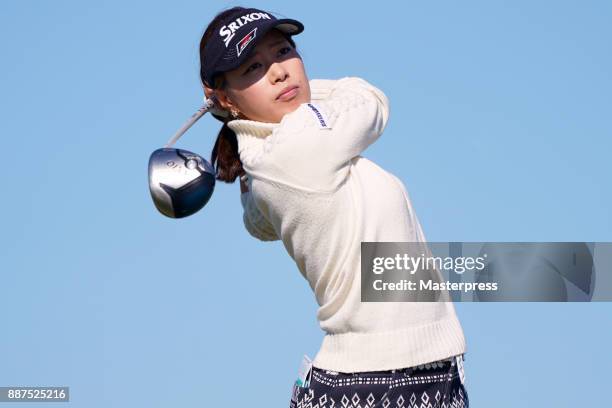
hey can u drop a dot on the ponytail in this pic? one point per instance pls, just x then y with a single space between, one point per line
225 158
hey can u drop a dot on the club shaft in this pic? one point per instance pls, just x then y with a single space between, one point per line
193 119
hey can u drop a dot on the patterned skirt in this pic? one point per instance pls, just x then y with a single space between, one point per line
435 385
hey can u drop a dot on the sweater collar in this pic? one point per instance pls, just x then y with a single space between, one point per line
250 128
251 137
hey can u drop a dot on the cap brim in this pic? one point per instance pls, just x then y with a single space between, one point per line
289 26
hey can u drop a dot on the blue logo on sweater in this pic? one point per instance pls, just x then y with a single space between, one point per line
321 120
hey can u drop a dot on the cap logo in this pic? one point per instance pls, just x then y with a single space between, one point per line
245 41
228 31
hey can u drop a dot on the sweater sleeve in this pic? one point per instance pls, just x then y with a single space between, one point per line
319 138
254 222
359 113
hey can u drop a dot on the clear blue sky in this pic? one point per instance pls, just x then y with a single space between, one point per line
500 129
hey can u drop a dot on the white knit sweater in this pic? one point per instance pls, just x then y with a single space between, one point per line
310 187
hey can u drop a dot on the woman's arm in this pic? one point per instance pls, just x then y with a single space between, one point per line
255 223
316 142
359 111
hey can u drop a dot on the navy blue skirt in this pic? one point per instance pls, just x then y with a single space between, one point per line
437 385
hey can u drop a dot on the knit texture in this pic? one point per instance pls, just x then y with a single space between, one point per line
310 187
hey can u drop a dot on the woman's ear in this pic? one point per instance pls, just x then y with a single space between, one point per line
207 91
221 96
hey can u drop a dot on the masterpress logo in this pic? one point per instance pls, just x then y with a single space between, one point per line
486 271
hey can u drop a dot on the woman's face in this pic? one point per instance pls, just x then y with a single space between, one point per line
268 85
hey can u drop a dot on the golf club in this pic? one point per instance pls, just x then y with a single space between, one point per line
181 182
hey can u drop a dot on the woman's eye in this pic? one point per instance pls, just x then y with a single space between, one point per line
285 50
252 66
255 65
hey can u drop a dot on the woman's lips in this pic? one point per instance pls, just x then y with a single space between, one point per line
288 94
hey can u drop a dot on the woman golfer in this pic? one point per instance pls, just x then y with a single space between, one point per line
296 145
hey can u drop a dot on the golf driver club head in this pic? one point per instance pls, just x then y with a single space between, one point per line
181 182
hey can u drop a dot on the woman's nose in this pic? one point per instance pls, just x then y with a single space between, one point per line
278 72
